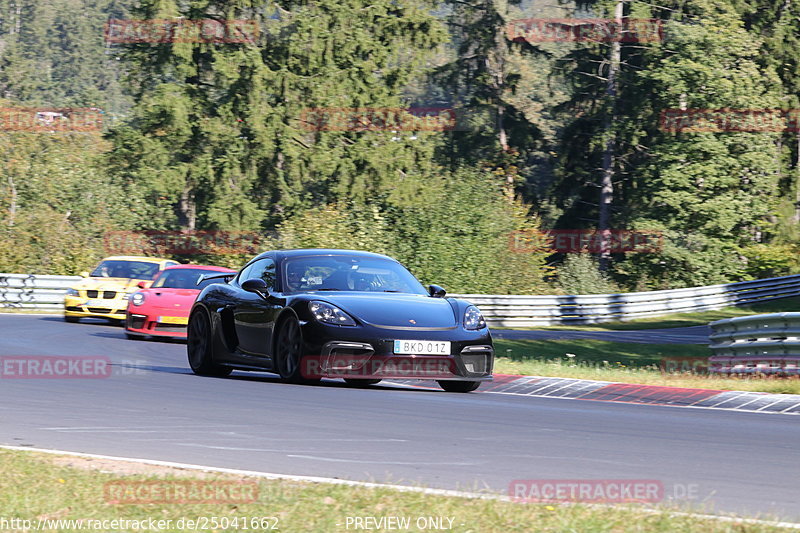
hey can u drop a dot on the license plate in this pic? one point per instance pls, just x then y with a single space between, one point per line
97 303
422 347
174 320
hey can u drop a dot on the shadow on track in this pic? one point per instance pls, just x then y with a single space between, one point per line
265 377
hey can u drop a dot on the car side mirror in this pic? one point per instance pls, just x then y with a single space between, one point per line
436 291
256 285
84 274
142 284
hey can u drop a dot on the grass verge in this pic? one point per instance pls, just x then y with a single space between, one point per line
648 364
44 487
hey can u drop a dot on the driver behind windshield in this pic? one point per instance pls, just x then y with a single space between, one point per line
294 276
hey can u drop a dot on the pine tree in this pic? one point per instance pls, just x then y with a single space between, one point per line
710 191
221 130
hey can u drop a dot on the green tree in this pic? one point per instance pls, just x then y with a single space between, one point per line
56 205
221 131
709 192
53 53
712 192
498 82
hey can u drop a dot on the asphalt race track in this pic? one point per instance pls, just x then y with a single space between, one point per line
153 407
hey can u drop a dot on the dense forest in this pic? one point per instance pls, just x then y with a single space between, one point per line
549 124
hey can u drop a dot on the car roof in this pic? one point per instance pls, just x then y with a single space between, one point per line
200 267
308 252
136 258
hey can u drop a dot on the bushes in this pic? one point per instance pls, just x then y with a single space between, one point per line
55 204
579 275
769 261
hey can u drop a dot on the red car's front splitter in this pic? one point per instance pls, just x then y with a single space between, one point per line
137 324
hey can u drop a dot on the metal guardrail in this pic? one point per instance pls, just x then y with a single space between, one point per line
531 311
27 291
765 344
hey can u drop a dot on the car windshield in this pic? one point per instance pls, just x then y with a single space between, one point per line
185 278
348 273
125 269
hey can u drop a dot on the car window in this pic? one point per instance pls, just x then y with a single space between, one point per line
349 273
264 269
119 268
184 278
245 273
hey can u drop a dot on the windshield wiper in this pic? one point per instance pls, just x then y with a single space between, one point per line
329 289
389 290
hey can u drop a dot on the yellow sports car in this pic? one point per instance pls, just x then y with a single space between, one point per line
104 293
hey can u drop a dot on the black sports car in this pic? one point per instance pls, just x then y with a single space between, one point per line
309 314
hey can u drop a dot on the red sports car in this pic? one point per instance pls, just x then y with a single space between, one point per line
163 309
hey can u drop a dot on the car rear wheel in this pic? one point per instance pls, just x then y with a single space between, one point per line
198 347
71 319
361 382
459 386
289 352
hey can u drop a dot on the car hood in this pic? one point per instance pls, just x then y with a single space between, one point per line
170 299
396 310
108 284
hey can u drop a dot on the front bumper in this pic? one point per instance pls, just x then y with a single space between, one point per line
145 324
367 353
78 307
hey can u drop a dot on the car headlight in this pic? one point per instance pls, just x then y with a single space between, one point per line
473 319
330 314
137 298
72 292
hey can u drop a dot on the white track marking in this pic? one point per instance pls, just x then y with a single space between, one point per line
113 428
362 462
238 449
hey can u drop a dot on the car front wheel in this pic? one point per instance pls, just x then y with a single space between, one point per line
459 386
198 347
289 352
